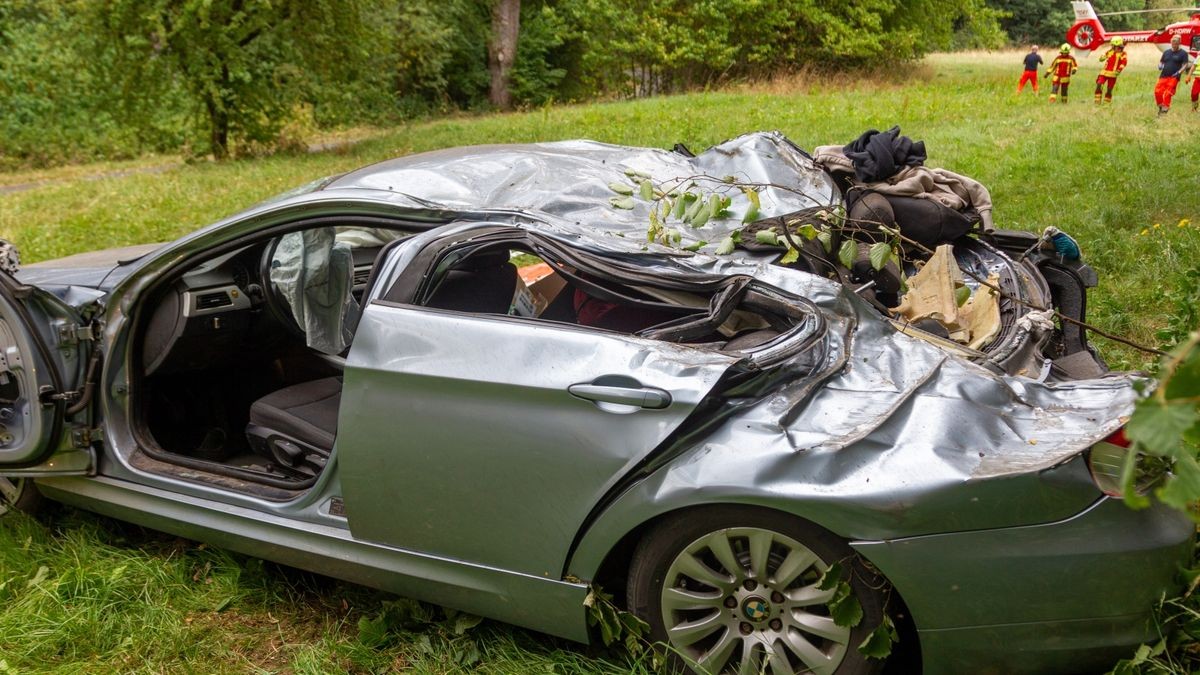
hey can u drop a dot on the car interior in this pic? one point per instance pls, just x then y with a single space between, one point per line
236 392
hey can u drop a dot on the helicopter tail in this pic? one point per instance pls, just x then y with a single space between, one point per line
1087 33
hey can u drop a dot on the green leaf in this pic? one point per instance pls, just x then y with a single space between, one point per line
696 246
224 604
621 188
372 632
808 231
726 246
1157 427
752 195
844 609
729 179
750 215
681 205
961 295
767 236
1129 478
831 578
878 644
826 240
790 257
847 253
703 214
1185 381
1183 487
465 622
879 254
694 208
646 190
625 203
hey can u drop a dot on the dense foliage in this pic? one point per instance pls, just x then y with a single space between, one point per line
84 79
112 78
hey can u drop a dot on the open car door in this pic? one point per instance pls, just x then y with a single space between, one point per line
40 367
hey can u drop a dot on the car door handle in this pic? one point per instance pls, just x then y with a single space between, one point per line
642 397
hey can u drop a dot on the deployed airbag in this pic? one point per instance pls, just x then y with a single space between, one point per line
314 273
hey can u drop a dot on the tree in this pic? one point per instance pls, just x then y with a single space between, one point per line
1036 21
245 63
502 50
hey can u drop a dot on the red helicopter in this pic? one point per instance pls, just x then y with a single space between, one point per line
1087 33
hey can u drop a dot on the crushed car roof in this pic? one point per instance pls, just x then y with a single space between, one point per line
567 182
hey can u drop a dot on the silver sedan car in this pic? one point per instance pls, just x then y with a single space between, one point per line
469 377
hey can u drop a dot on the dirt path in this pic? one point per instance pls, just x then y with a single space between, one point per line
323 146
115 173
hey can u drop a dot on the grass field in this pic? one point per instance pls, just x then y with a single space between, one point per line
84 594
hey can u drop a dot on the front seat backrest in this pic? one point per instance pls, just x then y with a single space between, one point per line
481 283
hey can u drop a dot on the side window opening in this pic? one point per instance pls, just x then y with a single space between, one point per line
514 281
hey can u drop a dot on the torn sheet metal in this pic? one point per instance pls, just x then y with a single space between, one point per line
902 396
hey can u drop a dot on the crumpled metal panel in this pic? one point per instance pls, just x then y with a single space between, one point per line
568 181
894 437
908 401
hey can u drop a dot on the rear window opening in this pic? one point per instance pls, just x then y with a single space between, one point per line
735 314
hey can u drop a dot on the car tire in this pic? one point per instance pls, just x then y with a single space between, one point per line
721 617
19 494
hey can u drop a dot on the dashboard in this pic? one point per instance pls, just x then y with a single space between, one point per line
224 309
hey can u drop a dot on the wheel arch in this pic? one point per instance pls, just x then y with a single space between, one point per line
629 517
610 570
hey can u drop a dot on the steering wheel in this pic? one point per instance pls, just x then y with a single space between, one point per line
277 305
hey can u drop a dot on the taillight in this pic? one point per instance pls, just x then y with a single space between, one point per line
1106 461
1118 438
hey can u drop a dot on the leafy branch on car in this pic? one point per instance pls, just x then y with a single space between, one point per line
696 205
617 626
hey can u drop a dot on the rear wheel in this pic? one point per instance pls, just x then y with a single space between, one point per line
735 590
19 494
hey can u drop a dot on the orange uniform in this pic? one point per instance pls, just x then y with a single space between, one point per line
1061 68
1115 60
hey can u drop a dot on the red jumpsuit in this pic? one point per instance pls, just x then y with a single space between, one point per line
1115 61
1062 68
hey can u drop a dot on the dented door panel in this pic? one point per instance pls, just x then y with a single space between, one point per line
459 435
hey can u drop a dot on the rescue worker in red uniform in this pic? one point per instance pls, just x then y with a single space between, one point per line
1114 60
1061 68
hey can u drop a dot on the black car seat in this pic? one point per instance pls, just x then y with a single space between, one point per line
296 425
481 283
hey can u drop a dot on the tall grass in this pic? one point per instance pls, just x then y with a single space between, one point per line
83 594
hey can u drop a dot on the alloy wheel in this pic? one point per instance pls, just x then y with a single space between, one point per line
746 600
10 492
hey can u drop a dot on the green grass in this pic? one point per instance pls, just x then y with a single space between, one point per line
114 597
